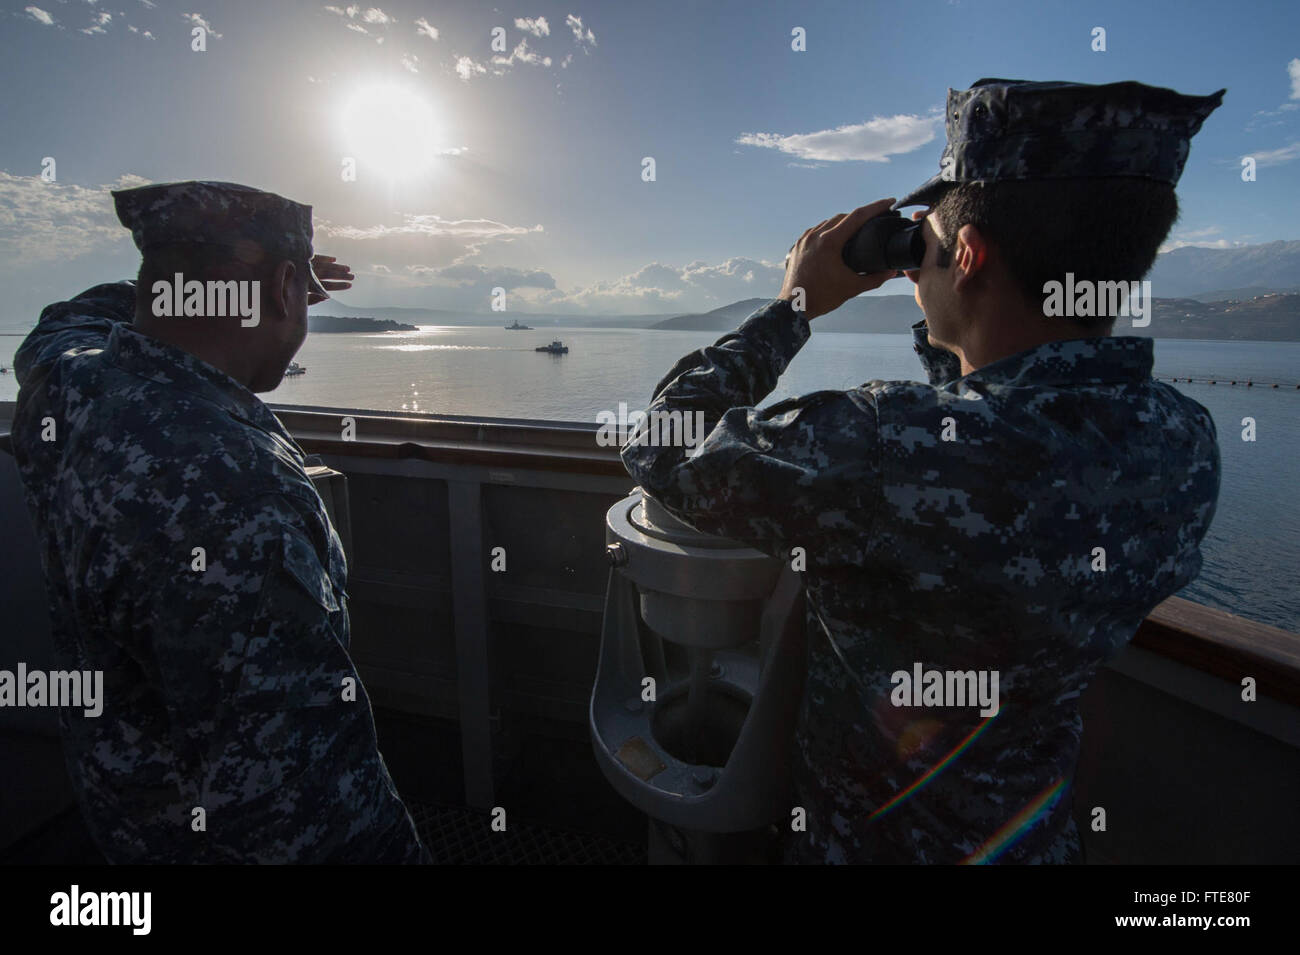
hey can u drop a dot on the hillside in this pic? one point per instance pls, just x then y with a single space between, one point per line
1190 271
347 323
443 316
1241 293
1264 318
868 313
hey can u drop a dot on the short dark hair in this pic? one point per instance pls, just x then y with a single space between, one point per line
1102 230
205 262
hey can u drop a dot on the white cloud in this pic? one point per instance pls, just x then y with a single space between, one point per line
566 61
1293 74
420 247
500 65
604 298
380 268
39 15
424 28
575 24
873 141
463 283
1200 239
1202 244
697 286
50 221
537 27
371 15
1277 157
429 225
656 275
735 278
409 61
465 68
198 21
101 21
487 277
522 54
368 14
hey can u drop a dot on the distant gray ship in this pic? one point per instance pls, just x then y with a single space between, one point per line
516 327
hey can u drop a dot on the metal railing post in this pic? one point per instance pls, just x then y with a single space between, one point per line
469 606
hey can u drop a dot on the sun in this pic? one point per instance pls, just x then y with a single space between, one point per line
389 130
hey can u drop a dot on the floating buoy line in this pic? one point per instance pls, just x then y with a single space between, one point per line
1245 382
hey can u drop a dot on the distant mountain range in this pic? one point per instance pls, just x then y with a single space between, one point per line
1245 293
867 313
1262 318
1192 272
444 316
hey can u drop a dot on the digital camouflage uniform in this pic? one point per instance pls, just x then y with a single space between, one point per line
223 687
952 524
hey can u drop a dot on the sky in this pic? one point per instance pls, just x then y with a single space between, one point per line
524 167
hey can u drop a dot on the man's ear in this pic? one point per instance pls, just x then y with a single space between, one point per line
280 295
971 255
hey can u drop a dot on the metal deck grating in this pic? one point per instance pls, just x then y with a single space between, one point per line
458 836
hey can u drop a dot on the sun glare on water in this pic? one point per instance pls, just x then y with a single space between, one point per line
389 130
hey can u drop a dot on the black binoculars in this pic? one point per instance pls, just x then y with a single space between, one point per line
885 244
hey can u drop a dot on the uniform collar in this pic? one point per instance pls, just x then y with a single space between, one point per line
176 368
1107 360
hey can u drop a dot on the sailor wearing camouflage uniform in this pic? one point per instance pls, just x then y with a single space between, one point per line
224 684
969 554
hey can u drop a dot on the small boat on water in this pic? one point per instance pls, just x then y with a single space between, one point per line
516 327
295 369
554 348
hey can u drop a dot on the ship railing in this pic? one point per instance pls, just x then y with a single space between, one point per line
1197 719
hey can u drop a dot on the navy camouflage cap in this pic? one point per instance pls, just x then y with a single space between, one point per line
1001 130
219 213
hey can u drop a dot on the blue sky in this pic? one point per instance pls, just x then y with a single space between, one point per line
529 161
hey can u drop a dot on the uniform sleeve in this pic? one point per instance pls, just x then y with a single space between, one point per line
82 322
803 472
275 728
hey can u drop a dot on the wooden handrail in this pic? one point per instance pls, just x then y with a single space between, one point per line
1225 645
